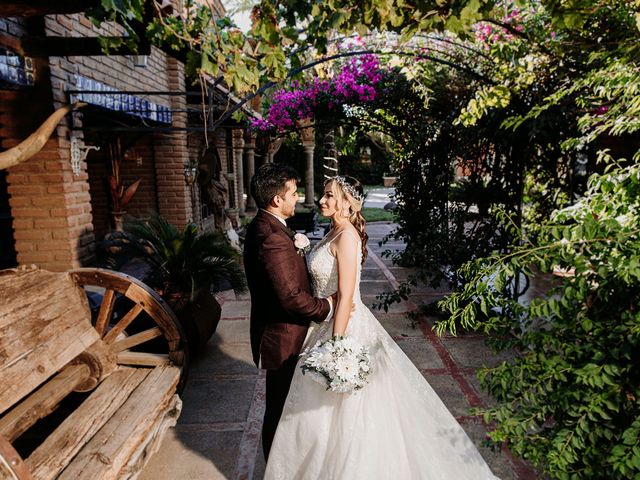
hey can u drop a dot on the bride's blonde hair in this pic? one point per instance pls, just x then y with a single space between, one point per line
349 191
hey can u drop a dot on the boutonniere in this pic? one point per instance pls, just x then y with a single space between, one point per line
301 242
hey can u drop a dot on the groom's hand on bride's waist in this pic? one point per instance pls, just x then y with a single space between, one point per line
333 301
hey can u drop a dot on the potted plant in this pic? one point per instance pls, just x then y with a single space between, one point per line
120 196
188 268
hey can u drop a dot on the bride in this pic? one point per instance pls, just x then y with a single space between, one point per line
396 427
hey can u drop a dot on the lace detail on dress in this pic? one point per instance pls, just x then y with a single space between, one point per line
323 269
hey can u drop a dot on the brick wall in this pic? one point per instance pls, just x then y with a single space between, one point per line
138 163
48 203
172 153
57 215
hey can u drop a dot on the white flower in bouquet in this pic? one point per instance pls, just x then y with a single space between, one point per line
340 363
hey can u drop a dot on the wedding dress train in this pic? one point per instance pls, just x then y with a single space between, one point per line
396 427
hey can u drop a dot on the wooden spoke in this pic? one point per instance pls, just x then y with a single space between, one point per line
136 339
142 359
106 310
144 299
123 323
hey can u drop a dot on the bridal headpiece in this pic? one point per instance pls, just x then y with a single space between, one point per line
340 180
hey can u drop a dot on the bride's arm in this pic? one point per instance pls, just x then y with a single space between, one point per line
345 249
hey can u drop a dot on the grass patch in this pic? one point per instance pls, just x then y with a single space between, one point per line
370 215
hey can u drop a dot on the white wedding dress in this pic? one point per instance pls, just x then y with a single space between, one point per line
396 427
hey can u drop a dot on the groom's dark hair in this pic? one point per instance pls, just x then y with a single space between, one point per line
271 180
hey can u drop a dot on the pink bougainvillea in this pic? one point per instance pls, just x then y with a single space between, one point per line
354 84
489 34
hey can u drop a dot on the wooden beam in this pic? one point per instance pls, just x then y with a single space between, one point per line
30 8
74 47
12 43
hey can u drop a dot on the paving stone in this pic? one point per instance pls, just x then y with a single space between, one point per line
472 352
400 274
219 400
398 324
232 331
226 295
387 261
425 298
499 464
422 354
486 398
374 288
371 299
236 308
224 358
380 229
450 393
261 464
372 274
187 454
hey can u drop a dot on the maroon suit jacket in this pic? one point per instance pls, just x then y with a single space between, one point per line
282 305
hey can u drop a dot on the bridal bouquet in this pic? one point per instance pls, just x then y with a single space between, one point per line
339 363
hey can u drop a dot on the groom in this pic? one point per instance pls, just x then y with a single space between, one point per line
282 305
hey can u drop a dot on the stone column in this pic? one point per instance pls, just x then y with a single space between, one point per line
308 137
238 150
273 148
249 151
309 196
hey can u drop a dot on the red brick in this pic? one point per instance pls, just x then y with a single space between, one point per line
26 189
32 235
29 212
55 188
22 223
54 245
47 201
50 223
60 234
21 201
31 166
47 178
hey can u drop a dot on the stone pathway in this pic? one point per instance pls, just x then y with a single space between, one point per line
218 433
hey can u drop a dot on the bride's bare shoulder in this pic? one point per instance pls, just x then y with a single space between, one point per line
345 242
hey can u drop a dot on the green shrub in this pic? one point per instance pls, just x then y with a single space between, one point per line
570 402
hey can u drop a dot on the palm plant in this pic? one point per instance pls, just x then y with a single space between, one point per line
187 262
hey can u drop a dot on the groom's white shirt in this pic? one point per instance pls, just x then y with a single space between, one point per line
282 220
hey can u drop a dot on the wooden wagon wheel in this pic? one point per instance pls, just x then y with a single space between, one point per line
143 298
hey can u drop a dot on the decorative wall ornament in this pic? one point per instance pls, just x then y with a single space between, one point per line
79 152
190 173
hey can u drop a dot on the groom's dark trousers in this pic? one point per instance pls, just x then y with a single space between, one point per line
282 307
278 382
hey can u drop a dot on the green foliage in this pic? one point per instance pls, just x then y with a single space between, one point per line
188 261
570 402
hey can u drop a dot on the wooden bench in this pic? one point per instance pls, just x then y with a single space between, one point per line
51 347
